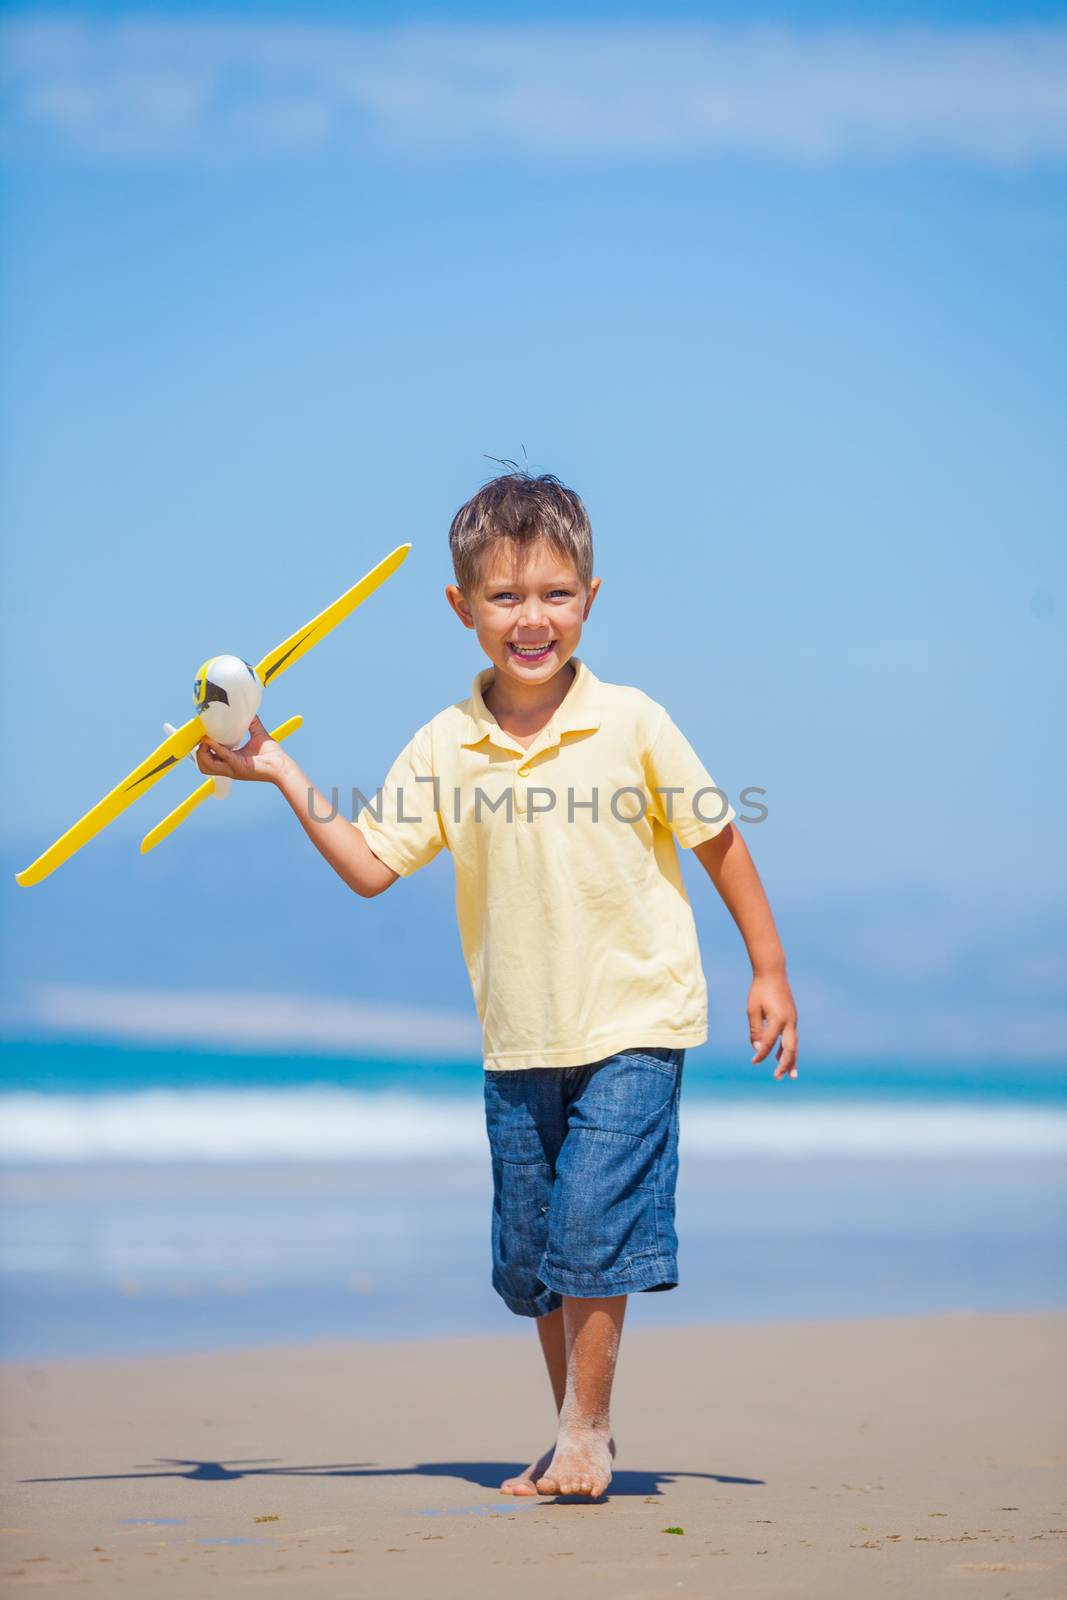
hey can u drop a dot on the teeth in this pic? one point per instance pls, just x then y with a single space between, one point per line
531 649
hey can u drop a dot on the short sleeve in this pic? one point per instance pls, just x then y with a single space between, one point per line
683 795
401 822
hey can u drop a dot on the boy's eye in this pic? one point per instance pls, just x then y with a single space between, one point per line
508 594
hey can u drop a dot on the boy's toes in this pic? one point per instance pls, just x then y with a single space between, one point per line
526 1482
548 1485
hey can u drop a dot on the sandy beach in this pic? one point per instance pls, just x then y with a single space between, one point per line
907 1456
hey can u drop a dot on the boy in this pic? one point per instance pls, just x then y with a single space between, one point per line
577 933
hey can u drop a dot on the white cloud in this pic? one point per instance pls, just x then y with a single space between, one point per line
836 1022
242 1020
148 89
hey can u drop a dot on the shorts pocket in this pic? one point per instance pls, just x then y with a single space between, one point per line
630 1093
662 1060
603 1211
522 1194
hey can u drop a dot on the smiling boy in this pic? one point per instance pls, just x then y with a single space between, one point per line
562 800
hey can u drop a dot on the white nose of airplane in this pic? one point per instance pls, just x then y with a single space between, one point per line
228 695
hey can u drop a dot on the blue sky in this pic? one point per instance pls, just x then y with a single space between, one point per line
783 302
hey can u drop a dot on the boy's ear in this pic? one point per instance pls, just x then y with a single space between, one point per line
456 600
594 586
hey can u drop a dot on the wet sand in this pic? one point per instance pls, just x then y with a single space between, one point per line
906 1456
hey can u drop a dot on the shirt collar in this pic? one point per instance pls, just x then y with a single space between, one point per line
578 712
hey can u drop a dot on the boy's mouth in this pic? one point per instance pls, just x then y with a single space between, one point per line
531 652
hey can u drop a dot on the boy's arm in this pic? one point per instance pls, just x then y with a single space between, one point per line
337 840
772 1010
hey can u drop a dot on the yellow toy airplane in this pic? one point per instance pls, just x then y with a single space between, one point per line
227 692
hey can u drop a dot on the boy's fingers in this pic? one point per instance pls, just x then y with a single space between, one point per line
764 1041
772 1027
787 1052
215 760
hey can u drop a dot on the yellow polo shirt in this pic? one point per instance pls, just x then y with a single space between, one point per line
576 928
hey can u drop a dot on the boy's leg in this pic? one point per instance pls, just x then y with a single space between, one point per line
525 1115
581 1461
551 1333
579 1344
553 1347
610 1230
530 1121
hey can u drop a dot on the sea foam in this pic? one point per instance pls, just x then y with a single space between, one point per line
329 1124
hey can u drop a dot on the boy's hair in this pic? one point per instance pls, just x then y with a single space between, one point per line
520 508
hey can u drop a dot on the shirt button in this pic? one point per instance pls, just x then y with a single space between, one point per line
524 772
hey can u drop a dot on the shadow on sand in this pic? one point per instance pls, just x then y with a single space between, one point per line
485 1474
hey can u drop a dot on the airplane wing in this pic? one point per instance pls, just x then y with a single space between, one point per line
298 644
167 755
179 744
174 818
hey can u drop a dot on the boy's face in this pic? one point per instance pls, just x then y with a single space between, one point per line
542 607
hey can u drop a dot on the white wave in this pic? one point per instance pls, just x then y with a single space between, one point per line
322 1124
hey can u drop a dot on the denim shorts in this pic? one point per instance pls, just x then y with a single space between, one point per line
585 1163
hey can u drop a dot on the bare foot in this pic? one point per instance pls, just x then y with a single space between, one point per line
526 1482
581 1463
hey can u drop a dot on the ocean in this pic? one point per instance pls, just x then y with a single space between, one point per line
170 1199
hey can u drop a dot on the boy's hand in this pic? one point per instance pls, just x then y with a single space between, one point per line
259 760
772 1012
